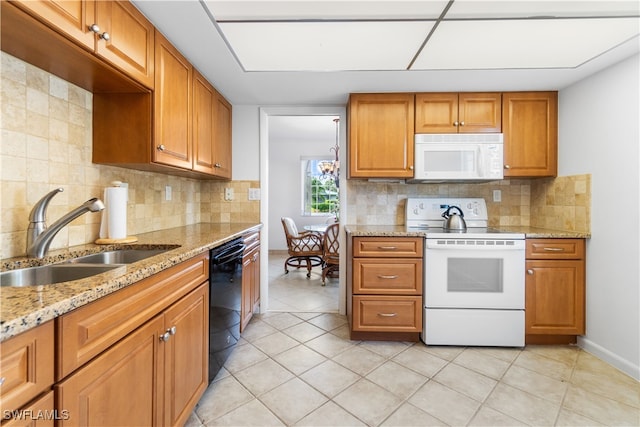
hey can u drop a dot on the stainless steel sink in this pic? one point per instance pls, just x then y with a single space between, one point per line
118 256
54 273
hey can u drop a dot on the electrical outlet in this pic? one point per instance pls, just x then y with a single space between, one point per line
167 192
228 194
497 195
254 194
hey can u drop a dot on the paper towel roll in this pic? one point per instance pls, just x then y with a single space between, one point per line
114 216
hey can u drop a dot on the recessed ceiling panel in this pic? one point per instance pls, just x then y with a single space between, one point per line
266 10
535 43
464 9
325 46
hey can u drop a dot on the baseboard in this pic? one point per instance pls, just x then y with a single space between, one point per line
611 358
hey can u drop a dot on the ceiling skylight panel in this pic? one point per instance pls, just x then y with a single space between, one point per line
325 46
507 44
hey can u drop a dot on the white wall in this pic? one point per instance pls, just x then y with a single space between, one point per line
246 143
599 133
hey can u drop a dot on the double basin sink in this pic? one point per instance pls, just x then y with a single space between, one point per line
75 268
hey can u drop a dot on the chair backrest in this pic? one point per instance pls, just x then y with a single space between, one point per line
290 229
331 244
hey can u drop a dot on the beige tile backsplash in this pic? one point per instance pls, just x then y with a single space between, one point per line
561 203
46 128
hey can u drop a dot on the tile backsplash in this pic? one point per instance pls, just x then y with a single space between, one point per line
46 131
561 203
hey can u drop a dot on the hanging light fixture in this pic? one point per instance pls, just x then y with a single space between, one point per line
336 148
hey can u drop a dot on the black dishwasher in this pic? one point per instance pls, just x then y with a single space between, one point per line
225 297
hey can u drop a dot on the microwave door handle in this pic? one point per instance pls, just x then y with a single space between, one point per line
480 161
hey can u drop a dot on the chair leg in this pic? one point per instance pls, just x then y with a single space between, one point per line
308 268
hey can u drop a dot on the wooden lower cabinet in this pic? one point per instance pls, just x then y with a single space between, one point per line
384 288
555 290
154 376
39 413
250 279
26 372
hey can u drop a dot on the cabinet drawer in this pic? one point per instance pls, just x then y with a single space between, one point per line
39 413
388 247
26 366
88 331
555 248
251 240
387 276
387 313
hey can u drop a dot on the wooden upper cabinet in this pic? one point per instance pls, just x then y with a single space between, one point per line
530 127
204 139
71 18
211 129
172 105
121 34
381 135
222 152
129 45
458 112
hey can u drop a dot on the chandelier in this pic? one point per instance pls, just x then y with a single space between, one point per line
332 167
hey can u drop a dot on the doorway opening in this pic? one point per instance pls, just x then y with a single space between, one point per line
293 142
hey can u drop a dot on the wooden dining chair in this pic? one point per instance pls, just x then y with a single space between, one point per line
303 247
330 253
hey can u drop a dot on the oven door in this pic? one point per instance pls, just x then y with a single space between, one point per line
474 273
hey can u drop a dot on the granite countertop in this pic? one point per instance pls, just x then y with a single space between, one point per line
22 308
400 231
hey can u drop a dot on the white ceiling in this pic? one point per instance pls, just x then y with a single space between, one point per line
308 52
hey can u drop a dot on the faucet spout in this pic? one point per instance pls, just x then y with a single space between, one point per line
40 236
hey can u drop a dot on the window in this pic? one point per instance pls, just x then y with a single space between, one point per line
319 190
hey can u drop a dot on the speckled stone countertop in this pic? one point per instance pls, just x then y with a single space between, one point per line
22 308
400 231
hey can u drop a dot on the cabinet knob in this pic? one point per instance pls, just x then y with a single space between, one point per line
172 330
410 168
160 147
507 167
456 123
530 272
105 36
165 337
2 380
94 28
461 123
217 165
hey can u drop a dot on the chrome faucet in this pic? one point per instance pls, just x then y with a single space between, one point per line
39 236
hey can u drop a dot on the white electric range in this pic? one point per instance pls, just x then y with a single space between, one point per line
474 279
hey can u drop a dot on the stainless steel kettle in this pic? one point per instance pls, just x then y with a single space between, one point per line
454 221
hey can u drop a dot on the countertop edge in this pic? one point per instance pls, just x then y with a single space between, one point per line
400 231
68 296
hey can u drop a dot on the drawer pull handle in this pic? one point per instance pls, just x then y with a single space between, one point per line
387 277
554 249
387 248
387 314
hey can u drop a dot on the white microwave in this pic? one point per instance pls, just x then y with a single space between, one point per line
458 157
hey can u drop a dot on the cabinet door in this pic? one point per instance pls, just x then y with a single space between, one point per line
41 411
381 135
130 42
72 18
119 387
555 297
204 118
222 146
255 277
172 105
480 113
530 127
436 112
26 366
186 355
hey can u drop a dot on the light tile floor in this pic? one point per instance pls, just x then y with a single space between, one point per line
299 368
